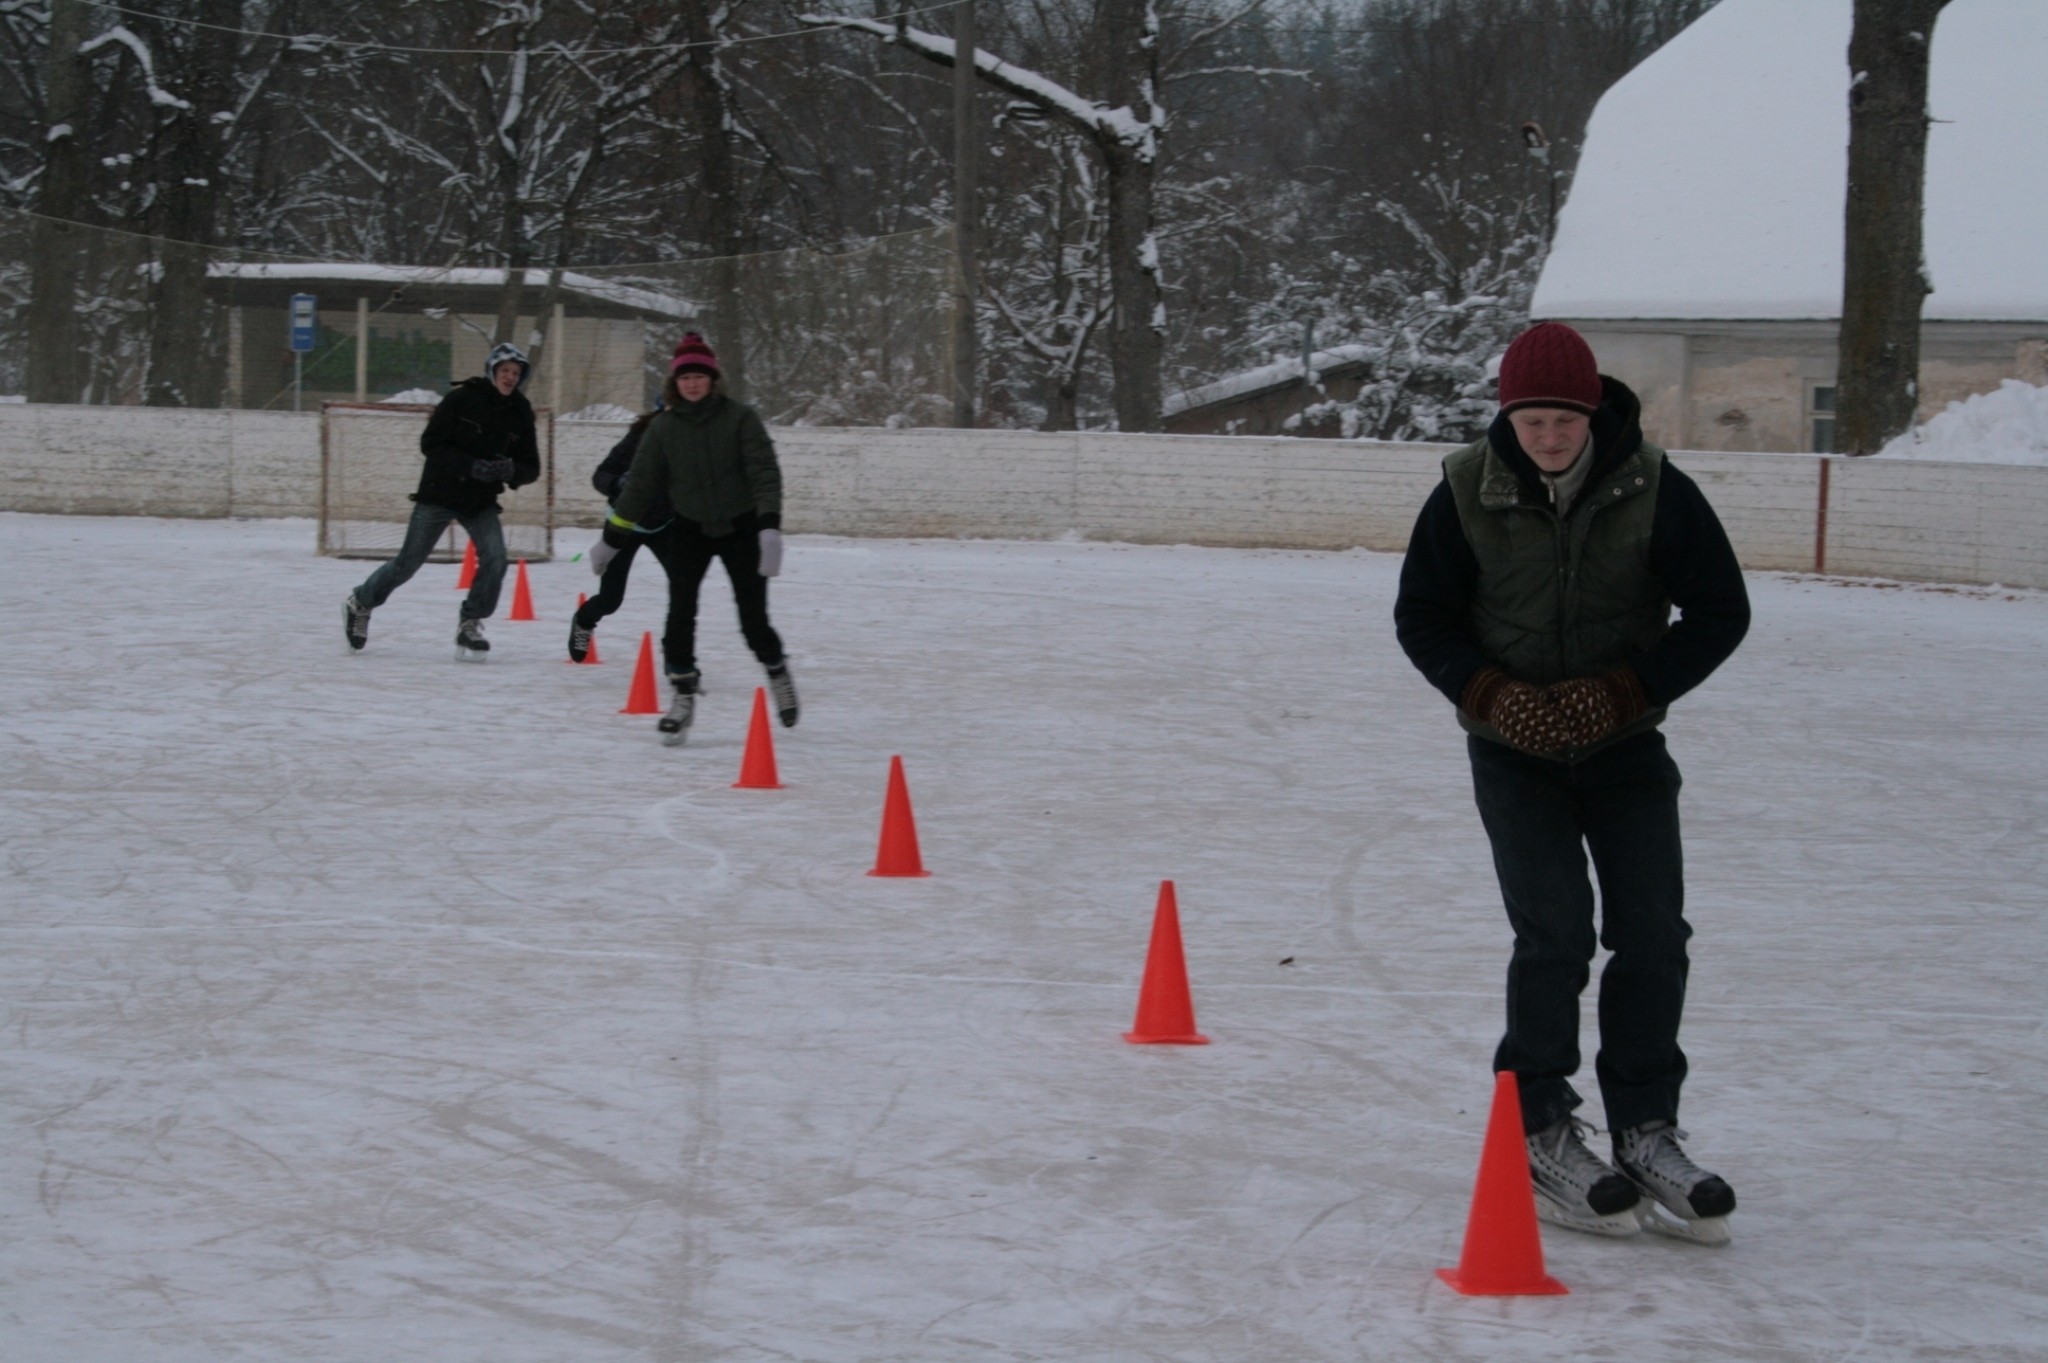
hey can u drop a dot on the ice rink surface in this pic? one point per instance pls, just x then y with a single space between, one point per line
382 1007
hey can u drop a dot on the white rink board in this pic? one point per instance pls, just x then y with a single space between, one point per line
1912 520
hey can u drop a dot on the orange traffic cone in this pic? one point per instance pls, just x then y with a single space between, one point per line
468 573
522 597
589 654
897 855
1166 1013
642 699
1503 1254
757 766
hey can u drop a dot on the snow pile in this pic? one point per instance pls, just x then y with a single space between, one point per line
426 395
12 397
2009 426
602 411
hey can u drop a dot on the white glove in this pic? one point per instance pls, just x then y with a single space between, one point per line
771 552
601 556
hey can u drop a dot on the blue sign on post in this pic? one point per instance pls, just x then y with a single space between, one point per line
302 322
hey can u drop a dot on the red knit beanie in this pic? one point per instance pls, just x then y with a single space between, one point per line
1550 365
692 353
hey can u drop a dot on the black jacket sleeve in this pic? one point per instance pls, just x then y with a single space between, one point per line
1432 610
610 475
1690 553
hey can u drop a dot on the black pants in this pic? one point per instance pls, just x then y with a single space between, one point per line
1621 804
611 587
686 551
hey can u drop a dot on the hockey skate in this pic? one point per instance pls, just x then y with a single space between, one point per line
470 642
1575 1189
682 707
579 640
782 687
355 622
1683 1200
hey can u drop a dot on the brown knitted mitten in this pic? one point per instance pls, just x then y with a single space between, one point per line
1594 707
1523 715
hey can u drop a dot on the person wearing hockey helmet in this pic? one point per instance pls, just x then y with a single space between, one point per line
479 442
711 455
1537 595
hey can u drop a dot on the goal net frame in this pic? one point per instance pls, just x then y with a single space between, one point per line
368 473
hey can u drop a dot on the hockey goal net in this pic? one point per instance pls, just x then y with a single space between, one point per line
370 464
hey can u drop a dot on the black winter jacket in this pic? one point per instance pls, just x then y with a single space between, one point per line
610 476
476 421
1689 554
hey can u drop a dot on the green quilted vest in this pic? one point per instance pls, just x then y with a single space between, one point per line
1562 597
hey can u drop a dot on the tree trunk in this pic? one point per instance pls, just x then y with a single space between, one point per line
185 363
1884 271
1137 338
515 247
56 368
966 206
718 194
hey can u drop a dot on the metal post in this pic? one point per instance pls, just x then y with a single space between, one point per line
966 347
362 350
298 377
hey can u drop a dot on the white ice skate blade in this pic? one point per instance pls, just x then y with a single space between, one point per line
676 739
1658 1220
1616 1225
471 655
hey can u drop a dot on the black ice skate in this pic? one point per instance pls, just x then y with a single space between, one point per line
1574 1188
579 640
682 707
783 687
355 622
1689 1203
470 642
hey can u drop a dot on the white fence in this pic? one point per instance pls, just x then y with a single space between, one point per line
1979 523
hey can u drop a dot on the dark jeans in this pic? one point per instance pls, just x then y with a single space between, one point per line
1621 804
686 551
421 533
611 587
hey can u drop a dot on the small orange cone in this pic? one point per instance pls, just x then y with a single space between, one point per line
468 573
897 855
589 654
522 597
1503 1254
1166 1012
642 699
757 766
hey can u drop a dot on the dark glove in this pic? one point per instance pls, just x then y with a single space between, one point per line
1594 707
1526 717
491 470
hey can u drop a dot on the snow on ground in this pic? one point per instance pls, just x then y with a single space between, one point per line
2006 426
386 1007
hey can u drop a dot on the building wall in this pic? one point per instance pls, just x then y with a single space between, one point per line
1748 386
1886 518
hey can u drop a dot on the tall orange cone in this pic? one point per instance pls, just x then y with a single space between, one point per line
590 653
1166 1012
1503 1254
468 573
642 699
522 597
897 855
757 766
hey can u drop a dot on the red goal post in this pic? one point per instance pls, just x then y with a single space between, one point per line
370 464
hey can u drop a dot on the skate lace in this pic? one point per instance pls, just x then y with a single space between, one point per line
784 689
1657 1151
1567 1146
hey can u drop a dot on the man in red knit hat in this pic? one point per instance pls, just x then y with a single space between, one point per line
1537 595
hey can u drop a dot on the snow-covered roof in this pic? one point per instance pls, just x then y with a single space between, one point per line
1713 177
1249 381
604 290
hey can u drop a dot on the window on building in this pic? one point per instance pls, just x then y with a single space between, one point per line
1821 408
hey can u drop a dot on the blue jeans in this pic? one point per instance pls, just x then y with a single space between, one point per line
425 528
1543 817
